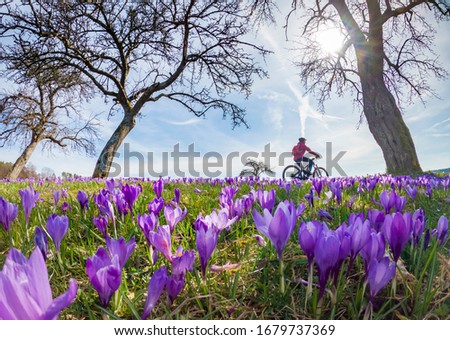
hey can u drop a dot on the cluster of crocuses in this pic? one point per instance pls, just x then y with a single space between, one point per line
366 236
378 236
9 210
104 269
362 235
25 291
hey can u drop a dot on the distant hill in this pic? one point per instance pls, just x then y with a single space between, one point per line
447 170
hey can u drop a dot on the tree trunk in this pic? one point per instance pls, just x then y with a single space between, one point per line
105 159
382 113
388 128
22 160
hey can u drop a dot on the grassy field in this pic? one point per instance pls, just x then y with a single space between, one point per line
244 277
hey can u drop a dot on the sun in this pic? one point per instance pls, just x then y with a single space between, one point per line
330 40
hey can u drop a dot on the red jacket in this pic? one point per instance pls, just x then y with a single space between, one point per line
299 150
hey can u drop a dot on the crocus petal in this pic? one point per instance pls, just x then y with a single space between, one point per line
379 275
161 240
62 301
57 227
155 288
25 291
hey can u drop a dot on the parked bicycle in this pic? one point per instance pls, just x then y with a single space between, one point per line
300 171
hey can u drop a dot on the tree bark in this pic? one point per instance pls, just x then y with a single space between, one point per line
23 159
388 128
105 159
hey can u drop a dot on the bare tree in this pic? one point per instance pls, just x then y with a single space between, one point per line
44 110
385 61
192 52
256 168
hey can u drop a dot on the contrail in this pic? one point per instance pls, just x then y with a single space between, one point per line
303 107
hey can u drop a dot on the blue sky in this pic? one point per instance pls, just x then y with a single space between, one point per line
278 113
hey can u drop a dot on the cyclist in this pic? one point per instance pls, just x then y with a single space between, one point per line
299 150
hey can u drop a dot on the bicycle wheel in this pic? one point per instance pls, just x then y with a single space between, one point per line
291 172
320 172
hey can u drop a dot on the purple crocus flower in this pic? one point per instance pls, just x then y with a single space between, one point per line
83 199
29 198
121 248
247 202
260 240
441 232
56 196
226 196
104 205
101 223
335 188
326 254
65 206
25 292
177 195
411 191
155 288
57 227
120 202
397 230
65 192
147 223
360 234
156 205
158 187
317 184
110 185
308 233
8 213
236 209
206 241
379 274
41 241
266 199
104 274
345 244
429 190
388 200
173 216
355 216
219 219
130 194
374 248
376 218
300 209
324 214
418 225
161 240
310 198
174 286
400 203
278 228
183 261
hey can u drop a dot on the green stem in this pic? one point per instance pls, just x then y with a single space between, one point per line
369 311
60 262
282 284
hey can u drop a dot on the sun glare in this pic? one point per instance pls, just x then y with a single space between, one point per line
330 40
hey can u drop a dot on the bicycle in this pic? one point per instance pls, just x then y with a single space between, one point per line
299 171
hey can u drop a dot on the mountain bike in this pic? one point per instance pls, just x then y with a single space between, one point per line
299 171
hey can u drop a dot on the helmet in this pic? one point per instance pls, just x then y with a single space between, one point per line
302 139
